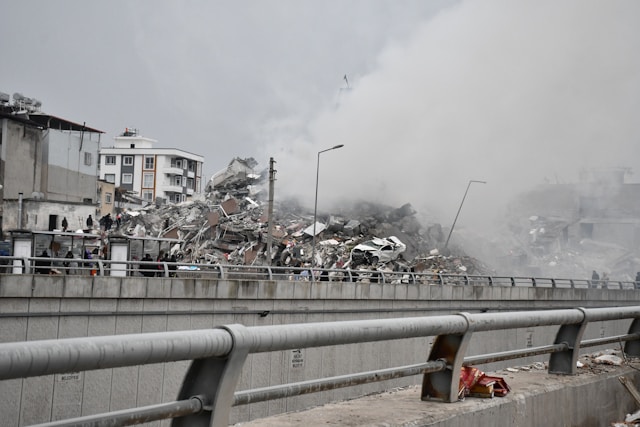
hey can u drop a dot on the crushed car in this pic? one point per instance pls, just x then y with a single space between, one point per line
377 250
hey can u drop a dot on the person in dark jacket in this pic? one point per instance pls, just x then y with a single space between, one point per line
66 263
88 266
595 279
172 266
89 222
148 269
43 266
65 224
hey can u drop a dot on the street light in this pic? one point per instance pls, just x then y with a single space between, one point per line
460 208
315 208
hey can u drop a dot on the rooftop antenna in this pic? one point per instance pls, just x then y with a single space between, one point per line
347 81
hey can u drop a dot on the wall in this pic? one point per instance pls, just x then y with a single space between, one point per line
68 178
106 207
22 155
35 214
49 307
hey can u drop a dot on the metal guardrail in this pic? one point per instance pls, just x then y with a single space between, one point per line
100 267
208 389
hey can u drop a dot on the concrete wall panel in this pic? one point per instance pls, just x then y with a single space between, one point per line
86 306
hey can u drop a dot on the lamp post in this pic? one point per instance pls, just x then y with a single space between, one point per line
460 208
315 208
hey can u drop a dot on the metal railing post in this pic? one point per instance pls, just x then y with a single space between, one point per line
215 378
565 362
632 348
444 385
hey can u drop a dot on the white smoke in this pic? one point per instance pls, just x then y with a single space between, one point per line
512 93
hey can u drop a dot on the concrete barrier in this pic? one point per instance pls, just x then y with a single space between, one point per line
50 307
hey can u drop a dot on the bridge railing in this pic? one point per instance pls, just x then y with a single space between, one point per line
209 387
100 267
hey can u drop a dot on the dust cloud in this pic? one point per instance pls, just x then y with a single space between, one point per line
511 93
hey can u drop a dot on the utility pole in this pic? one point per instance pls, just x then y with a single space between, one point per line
272 179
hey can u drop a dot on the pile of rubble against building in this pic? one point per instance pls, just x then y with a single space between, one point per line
230 226
540 246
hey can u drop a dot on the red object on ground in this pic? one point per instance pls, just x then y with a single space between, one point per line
474 382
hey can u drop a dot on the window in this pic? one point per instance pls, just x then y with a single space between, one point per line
190 183
87 159
147 180
127 178
107 198
109 160
148 162
177 181
110 177
191 166
147 195
179 164
127 160
184 181
178 198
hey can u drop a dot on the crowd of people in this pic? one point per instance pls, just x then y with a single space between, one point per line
150 268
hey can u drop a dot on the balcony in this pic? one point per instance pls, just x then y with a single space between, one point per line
172 170
171 188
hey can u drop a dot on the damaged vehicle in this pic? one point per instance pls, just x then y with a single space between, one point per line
377 250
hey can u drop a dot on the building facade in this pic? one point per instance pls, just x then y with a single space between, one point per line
155 174
48 168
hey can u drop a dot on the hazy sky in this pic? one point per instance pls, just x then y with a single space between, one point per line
441 92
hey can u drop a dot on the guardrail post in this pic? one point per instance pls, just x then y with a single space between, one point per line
632 348
100 267
565 362
215 379
444 385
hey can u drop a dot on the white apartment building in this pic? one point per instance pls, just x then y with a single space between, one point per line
166 174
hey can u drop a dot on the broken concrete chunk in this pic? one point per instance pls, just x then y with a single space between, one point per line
608 359
352 228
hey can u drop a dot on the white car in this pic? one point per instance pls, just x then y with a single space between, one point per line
377 250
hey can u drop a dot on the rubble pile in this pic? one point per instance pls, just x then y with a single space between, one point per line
230 226
545 237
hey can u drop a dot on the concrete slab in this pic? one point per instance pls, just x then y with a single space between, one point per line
536 398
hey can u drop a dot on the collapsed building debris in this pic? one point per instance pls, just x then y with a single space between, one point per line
230 226
568 230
